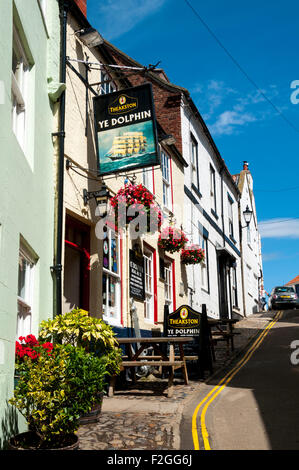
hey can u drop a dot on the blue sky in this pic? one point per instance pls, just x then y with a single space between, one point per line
262 36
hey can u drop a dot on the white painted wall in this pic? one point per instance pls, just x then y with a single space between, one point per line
196 216
251 248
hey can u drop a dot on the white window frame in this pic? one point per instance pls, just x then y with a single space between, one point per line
108 87
166 180
148 179
230 217
168 284
149 286
19 85
194 162
115 276
25 299
203 265
213 188
234 287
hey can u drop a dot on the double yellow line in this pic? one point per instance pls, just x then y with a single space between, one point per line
221 385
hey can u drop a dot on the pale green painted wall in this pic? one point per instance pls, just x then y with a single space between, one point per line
26 181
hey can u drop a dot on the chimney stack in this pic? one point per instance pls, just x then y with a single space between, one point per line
245 165
82 4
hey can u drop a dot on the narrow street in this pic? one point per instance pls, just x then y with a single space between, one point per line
257 409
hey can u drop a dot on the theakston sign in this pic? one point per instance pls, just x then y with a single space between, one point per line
126 135
184 322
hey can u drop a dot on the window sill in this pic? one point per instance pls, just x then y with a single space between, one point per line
214 214
112 321
196 190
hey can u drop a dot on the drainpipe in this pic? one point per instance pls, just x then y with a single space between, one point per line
57 268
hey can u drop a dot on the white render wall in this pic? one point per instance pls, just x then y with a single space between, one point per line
195 215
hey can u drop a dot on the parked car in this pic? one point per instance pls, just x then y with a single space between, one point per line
283 296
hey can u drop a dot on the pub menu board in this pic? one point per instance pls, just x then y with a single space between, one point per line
183 322
136 275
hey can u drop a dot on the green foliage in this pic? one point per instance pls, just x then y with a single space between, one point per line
55 390
79 329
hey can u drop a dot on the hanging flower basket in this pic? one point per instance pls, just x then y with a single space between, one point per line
192 254
134 201
172 239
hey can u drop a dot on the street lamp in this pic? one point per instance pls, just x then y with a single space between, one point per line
167 139
247 216
90 37
101 197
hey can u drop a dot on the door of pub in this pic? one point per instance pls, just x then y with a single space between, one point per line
76 265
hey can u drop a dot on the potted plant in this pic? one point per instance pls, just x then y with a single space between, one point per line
192 254
172 239
55 388
139 198
95 336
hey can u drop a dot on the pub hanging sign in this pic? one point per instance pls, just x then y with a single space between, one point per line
183 322
125 126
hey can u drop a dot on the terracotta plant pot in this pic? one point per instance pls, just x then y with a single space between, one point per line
30 441
94 415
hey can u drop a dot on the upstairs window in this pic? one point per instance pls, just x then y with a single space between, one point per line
19 82
194 162
165 160
148 179
230 217
213 189
107 85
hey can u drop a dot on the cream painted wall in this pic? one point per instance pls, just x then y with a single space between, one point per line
80 150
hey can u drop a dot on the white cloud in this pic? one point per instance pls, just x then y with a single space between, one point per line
279 228
226 110
117 17
228 121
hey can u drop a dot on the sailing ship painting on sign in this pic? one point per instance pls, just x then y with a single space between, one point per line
125 150
127 145
126 130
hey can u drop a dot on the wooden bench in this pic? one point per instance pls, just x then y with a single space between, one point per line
220 334
161 359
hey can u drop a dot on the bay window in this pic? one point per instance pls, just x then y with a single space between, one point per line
168 285
111 279
149 286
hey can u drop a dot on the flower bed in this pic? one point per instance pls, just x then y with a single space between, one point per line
192 254
172 239
136 199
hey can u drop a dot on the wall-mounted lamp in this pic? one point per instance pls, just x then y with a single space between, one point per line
90 37
101 197
167 139
247 216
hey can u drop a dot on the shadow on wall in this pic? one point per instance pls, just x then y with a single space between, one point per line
9 425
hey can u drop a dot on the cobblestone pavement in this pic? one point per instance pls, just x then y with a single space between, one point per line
142 417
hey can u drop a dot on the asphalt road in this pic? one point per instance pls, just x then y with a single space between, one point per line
259 408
